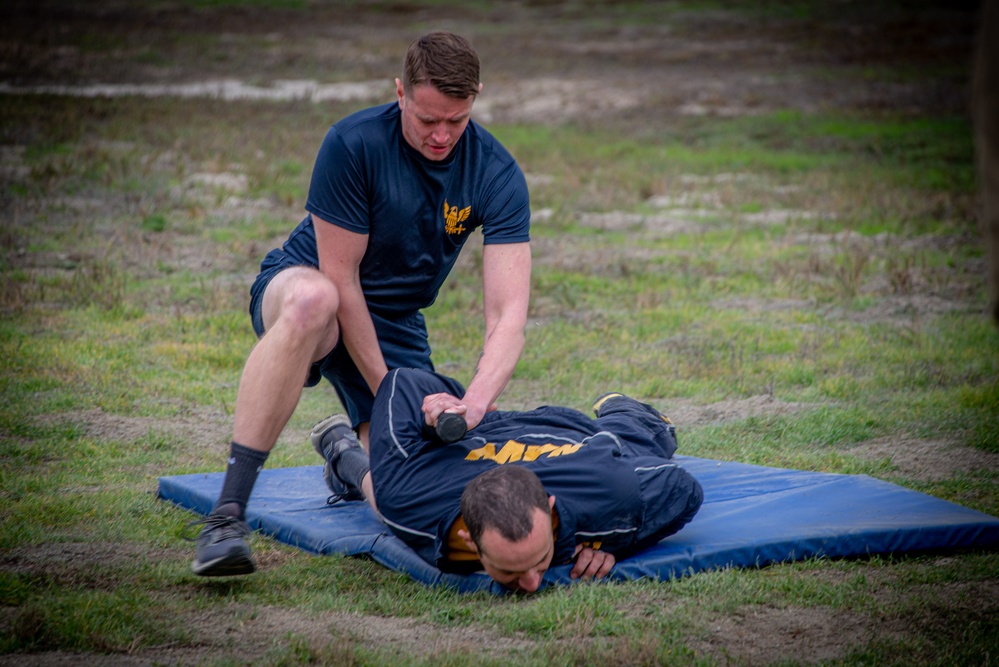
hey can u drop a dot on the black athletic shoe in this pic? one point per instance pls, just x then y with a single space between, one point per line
608 400
341 439
221 549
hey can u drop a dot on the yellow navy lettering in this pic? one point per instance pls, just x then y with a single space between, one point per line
513 451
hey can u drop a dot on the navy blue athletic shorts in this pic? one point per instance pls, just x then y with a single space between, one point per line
403 340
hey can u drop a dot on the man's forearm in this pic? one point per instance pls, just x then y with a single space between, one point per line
500 353
357 332
340 254
506 286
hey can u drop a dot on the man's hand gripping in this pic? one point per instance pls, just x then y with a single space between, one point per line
591 563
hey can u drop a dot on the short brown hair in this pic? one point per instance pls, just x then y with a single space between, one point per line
503 499
445 61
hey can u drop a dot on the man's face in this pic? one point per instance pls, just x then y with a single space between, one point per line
519 565
432 122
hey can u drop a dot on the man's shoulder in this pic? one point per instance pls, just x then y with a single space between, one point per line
481 139
367 122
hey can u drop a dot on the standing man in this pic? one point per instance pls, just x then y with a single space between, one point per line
396 192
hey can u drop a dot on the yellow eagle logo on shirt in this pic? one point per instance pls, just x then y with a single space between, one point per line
453 217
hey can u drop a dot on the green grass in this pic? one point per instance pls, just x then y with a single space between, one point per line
124 294
112 333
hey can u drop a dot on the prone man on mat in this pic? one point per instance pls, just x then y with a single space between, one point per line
520 492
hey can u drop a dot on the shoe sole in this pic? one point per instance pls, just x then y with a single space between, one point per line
227 566
599 403
320 429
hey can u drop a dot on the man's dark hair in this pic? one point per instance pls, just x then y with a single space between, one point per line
504 500
445 61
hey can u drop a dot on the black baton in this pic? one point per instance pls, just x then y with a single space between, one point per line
451 427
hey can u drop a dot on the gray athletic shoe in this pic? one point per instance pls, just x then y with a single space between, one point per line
341 439
608 400
221 549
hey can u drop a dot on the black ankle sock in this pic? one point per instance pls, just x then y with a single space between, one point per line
244 466
352 465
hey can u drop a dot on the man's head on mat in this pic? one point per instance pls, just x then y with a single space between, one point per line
508 514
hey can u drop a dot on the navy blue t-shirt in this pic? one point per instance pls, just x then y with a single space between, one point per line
416 212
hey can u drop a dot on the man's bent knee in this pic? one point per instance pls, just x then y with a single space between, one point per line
303 296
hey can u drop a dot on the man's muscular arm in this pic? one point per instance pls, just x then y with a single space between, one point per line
340 254
506 287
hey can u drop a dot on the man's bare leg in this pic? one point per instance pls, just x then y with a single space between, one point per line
367 488
369 492
299 314
363 433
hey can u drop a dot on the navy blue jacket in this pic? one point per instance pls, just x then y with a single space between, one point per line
615 483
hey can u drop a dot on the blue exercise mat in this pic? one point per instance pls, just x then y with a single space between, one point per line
751 516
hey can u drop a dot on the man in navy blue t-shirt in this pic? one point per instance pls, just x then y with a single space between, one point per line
396 192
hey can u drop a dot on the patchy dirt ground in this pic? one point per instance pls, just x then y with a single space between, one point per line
749 635
544 61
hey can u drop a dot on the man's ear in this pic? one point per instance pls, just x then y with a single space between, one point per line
466 537
399 92
551 502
